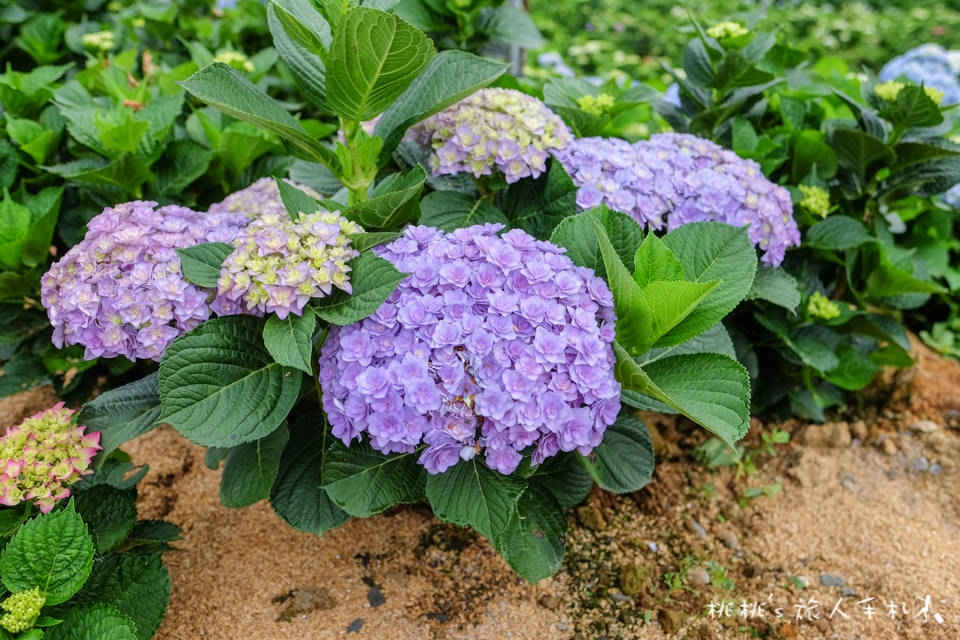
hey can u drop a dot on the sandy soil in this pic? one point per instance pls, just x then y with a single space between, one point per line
869 507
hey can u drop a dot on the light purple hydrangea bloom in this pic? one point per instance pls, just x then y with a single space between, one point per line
260 198
675 179
492 129
278 264
120 291
491 345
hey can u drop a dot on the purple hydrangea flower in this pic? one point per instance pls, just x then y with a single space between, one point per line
498 129
120 291
42 456
675 179
259 199
279 264
491 345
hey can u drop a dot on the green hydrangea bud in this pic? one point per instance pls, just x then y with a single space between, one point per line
891 89
815 200
22 610
820 306
596 105
98 41
235 59
727 29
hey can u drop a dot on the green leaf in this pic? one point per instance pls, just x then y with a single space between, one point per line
305 64
578 236
116 471
470 493
395 208
201 263
289 341
53 552
122 414
854 370
623 461
654 261
373 280
710 252
93 622
565 478
125 172
14 225
109 514
837 233
696 63
137 584
151 536
449 210
736 71
219 386
230 91
776 286
450 77
538 206
297 495
509 23
183 162
364 482
373 58
251 470
912 108
296 200
363 241
858 151
532 541
711 389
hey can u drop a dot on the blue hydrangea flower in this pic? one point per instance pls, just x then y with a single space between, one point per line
120 291
492 345
672 95
492 129
928 65
952 197
675 179
279 264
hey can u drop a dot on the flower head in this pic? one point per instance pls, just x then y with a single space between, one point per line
728 29
498 129
820 306
928 65
815 200
679 178
597 105
259 199
21 610
235 59
120 291
492 345
98 41
42 456
278 264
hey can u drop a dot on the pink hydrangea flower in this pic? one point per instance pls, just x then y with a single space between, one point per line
42 456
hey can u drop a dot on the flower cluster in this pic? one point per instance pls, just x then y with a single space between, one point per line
928 65
596 104
687 179
21 609
820 306
261 198
278 264
728 29
815 200
42 456
493 129
492 344
890 89
99 40
120 291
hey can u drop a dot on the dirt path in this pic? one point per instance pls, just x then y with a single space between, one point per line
867 508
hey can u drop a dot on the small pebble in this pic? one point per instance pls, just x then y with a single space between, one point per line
653 546
698 575
828 580
729 538
698 529
935 468
848 592
925 426
621 597
354 626
920 464
889 447
803 580
375 597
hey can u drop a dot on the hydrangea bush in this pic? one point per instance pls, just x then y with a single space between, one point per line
928 65
42 456
465 339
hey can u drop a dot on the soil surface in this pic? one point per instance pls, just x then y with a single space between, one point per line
850 530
